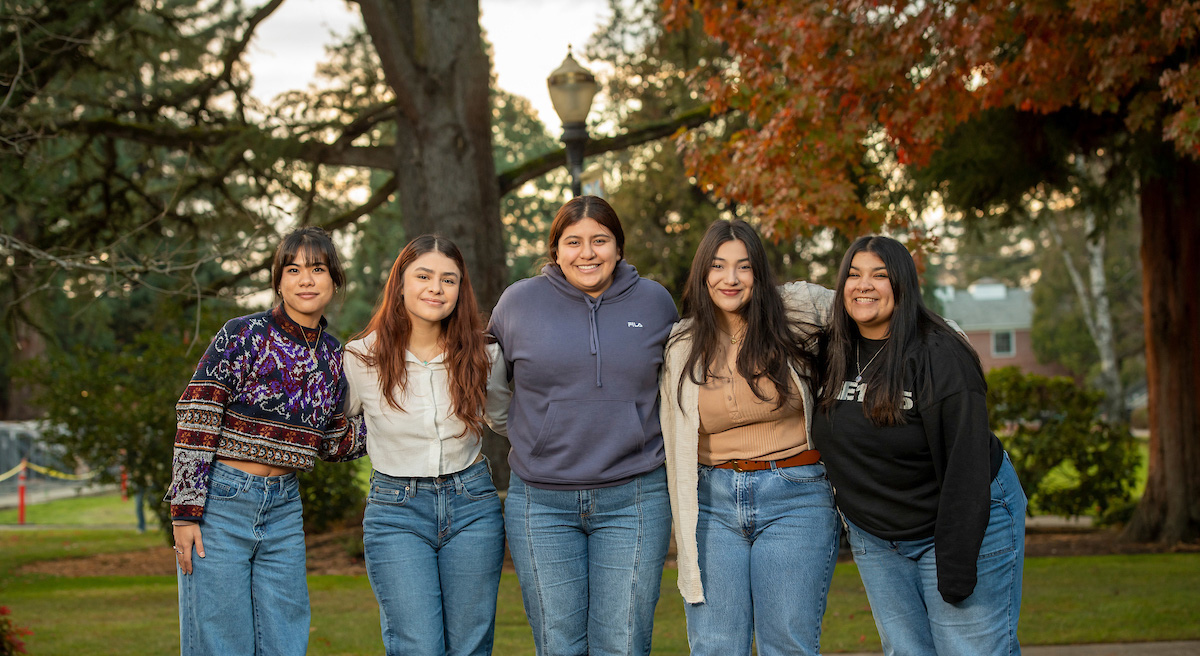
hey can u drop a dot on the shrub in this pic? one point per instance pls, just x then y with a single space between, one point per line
331 494
1070 460
10 634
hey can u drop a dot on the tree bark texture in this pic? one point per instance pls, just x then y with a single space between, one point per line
433 58
1170 508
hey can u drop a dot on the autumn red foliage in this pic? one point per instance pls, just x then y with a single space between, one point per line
819 80
837 94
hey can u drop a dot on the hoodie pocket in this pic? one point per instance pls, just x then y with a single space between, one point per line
590 439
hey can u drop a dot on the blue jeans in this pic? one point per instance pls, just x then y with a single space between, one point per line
901 583
590 563
768 541
434 549
249 594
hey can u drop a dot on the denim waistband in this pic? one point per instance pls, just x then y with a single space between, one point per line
246 480
477 470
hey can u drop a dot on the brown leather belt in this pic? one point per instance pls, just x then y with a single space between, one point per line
809 457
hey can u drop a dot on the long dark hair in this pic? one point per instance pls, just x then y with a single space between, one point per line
772 345
462 334
883 402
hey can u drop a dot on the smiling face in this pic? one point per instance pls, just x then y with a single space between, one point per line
306 287
588 256
730 281
431 286
868 295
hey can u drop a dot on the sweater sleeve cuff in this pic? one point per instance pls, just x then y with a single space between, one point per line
955 583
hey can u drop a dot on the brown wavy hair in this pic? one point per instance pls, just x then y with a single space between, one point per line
462 335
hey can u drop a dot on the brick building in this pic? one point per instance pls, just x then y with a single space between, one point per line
998 322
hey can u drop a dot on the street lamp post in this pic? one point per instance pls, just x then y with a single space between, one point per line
572 88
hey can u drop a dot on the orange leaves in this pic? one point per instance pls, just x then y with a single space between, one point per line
820 79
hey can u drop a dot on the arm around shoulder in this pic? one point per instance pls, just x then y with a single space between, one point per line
498 392
808 302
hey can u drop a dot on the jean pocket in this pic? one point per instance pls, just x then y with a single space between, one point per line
814 473
479 488
998 538
858 545
388 495
291 490
221 490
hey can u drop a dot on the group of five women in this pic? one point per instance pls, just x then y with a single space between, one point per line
624 419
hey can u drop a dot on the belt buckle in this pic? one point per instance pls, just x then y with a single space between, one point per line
737 467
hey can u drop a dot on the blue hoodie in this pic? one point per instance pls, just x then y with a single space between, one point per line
584 410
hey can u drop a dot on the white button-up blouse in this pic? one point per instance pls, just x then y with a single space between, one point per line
421 439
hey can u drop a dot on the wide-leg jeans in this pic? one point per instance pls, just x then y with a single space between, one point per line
901 582
590 563
434 549
249 594
768 542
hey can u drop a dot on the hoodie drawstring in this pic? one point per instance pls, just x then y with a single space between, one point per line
593 307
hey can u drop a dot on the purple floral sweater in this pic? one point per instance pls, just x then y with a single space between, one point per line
267 390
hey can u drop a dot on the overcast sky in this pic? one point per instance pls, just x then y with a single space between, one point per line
530 39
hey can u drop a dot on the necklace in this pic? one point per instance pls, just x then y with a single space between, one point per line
858 359
312 348
734 339
427 353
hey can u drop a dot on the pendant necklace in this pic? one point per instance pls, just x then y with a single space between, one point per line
312 348
858 359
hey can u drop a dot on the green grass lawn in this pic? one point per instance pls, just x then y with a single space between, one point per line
92 510
1067 600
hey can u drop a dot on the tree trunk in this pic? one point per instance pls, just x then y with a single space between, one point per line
433 58
1093 302
1110 373
1170 508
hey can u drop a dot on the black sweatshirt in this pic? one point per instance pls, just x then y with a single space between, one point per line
930 476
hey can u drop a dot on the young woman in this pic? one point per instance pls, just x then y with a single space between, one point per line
264 402
755 525
425 380
935 514
587 514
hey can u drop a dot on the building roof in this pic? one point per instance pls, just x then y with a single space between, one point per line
988 306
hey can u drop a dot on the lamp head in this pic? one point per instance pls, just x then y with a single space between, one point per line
572 88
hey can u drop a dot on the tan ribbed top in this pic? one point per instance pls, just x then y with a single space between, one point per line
737 425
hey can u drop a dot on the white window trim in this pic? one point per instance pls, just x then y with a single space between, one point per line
1012 341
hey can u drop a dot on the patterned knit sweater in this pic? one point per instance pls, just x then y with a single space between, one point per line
261 394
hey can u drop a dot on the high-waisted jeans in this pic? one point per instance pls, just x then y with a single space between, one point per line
767 543
590 563
249 594
901 582
434 549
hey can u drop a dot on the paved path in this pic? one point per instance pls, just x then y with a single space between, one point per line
1175 648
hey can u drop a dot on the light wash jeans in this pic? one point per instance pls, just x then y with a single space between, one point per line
434 549
590 563
249 594
768 541
901 582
